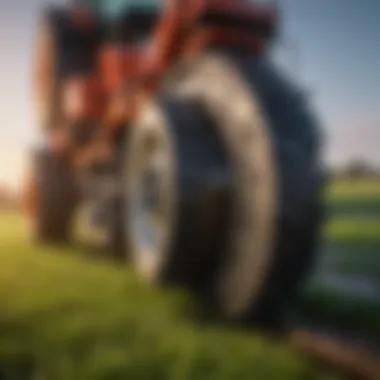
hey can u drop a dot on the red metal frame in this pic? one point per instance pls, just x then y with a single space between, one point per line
177 35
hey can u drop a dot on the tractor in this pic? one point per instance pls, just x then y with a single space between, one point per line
169 132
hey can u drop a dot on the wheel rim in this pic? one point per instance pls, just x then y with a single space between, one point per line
149 210
86 229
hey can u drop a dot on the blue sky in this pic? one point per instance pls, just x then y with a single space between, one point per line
338 49
339 44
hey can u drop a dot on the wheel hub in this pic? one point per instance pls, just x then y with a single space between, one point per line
150 208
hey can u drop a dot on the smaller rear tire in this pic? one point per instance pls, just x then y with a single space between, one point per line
55 198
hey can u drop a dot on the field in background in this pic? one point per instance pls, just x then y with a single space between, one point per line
346 286
65 317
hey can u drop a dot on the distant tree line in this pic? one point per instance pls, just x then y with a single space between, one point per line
356 169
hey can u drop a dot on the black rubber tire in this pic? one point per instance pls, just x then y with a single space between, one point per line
271 142
56 198
198 201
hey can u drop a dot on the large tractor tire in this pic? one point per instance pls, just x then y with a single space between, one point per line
54 198
224 184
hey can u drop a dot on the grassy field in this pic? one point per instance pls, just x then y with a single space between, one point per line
354 198
65 317
346 284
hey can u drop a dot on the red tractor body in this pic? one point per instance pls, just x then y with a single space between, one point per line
152 42
167 122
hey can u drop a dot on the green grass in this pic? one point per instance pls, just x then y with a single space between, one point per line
348 258
353 230
352 248
339 306
344 310
64 318
366 190
357 207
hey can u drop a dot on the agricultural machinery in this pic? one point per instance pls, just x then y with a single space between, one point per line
170 136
